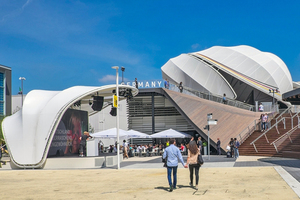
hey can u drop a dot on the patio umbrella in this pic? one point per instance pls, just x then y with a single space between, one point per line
170 133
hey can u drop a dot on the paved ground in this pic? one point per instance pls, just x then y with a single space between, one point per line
145 178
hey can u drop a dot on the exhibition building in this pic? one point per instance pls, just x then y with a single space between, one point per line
227 83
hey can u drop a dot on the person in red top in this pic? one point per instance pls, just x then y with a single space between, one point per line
182 147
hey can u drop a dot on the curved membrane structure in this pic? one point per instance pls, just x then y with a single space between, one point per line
30 131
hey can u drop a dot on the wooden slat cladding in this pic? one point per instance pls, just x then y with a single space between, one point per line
165 115
231 120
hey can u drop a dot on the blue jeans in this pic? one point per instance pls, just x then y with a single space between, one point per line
236 152
174 176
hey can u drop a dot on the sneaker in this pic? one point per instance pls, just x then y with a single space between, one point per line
174 187
191 184
196 187
171 188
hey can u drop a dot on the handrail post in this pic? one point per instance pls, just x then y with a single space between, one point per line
255 147
266 138
284 122
275 147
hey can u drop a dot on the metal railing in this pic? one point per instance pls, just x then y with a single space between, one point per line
276 143
275 125
253 126
282 138
213 97
280 117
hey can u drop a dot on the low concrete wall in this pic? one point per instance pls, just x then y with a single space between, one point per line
82 162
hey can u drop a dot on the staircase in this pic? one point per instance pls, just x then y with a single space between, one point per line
293 149
286 149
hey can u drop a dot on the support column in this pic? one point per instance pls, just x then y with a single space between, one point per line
153 116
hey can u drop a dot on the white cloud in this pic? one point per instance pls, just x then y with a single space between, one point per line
195 46
108 78
16 12
112 79
26 4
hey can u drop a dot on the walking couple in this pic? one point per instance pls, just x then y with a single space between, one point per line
172 154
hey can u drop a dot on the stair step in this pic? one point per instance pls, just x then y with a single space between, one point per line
265 149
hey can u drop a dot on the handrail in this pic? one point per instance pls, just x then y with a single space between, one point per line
280 116
275 125
267 130
264 134
282 138
244 134
213 97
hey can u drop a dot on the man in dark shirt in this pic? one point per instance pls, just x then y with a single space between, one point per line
219 146
83 140
136 83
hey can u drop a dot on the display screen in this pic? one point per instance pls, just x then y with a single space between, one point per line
66 139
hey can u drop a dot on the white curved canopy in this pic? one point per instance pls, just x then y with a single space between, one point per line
112 133
29 132
197 75
262 70
170 133
200 70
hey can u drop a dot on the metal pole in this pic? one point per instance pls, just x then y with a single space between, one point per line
118 117
273 102
208 142
22 79
22 90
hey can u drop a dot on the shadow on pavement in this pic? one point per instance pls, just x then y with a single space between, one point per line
284 162
162 188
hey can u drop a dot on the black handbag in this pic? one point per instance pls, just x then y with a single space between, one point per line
200 159
164 161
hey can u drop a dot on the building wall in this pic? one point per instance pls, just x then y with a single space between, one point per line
103 120
5 94
165 115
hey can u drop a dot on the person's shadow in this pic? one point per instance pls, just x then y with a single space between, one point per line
167 188
162 188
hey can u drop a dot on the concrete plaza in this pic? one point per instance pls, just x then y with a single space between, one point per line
145 178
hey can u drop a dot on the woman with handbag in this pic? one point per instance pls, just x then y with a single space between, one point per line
192 161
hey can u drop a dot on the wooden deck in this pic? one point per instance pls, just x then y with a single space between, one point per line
231 120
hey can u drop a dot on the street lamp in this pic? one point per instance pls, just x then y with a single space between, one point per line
117 114
210 121
123 70
22 79
273 91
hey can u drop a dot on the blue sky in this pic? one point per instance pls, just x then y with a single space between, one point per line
58 44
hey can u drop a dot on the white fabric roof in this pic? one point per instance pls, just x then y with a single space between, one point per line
112 133
197 75
30 131
261 66
261 70
170 133
137 134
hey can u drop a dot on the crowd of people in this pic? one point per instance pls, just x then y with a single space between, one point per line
233 148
